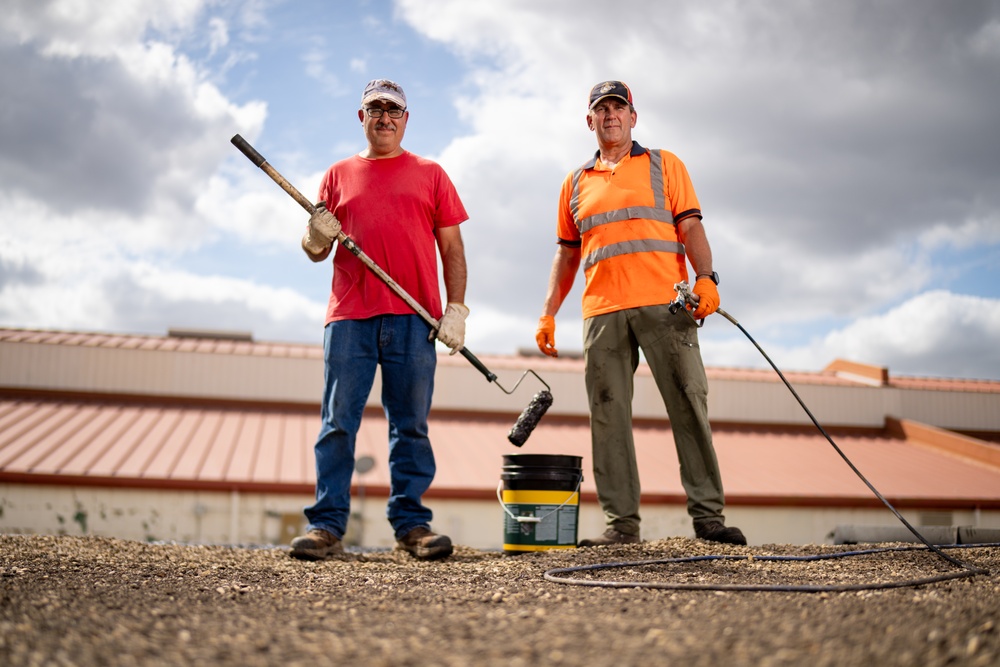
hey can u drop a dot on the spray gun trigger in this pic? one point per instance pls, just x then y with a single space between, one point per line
685 297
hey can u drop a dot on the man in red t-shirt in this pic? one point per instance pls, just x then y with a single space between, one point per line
402 210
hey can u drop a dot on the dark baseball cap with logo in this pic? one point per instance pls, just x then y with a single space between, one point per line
610 89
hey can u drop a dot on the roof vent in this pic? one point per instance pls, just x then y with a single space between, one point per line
213 334
876 376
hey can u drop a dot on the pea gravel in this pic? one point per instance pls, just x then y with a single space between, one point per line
102 601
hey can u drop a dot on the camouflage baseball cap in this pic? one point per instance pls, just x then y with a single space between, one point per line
384 89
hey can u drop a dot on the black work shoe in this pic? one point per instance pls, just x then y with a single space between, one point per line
317 544
714 531
610 536
425 544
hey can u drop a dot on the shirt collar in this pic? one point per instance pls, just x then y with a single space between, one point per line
636 150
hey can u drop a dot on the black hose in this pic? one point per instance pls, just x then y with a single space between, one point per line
916 533
551 575
966 569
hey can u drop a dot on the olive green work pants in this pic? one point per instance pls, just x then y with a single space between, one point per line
670 345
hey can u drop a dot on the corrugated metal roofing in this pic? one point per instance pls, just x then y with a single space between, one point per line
105 442
208 345
178 441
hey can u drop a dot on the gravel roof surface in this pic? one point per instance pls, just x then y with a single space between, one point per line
103 601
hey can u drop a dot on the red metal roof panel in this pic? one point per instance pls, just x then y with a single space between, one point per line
152 444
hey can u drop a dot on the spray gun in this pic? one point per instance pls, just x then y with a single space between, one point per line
685 298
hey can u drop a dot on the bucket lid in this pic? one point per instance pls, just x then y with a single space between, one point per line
541 461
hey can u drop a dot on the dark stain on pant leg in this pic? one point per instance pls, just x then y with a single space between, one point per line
605 395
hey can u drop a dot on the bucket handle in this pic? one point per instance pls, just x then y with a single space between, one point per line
534 519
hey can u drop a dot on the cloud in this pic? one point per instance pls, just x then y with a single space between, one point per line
68 29
109 139
99 120
845 156
834 147
935 333
219 34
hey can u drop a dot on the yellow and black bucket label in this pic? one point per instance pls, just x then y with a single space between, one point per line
540 496
540 520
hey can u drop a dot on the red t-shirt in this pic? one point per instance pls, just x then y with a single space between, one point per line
391 208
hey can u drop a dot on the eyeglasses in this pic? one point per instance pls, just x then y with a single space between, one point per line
376 112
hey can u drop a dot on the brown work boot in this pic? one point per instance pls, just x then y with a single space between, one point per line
425 544
317 544
610 536
714 531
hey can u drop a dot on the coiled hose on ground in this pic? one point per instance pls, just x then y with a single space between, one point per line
558 575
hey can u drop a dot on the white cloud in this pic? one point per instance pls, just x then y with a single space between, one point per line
934 333
829 174
315 60
965 234
108 140
218 34
841 164
71 28
246 207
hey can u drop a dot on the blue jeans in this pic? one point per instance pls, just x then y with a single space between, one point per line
352 349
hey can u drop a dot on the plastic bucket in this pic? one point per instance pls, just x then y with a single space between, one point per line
540 496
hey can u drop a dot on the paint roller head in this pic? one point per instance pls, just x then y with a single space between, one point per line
529 419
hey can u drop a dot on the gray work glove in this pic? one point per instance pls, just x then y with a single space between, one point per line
322 232
451 328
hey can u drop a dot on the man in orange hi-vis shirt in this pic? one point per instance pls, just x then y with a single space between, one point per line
630 216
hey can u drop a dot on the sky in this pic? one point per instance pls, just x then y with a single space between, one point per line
846 156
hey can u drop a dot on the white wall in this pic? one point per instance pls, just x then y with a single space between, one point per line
203 517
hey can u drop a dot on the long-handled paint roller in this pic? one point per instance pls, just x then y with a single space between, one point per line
539 404
533 413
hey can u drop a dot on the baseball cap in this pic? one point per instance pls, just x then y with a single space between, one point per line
610 89
384 89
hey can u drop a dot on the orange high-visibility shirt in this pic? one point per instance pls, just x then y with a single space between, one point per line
624 220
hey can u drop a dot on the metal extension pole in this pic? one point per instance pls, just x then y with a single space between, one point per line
353 247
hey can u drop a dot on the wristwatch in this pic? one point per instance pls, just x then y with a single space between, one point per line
713 276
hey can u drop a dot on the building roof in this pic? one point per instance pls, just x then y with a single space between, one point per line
82 441
111 421
839 372
180 340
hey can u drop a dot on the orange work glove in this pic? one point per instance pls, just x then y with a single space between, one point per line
708 297
546 335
